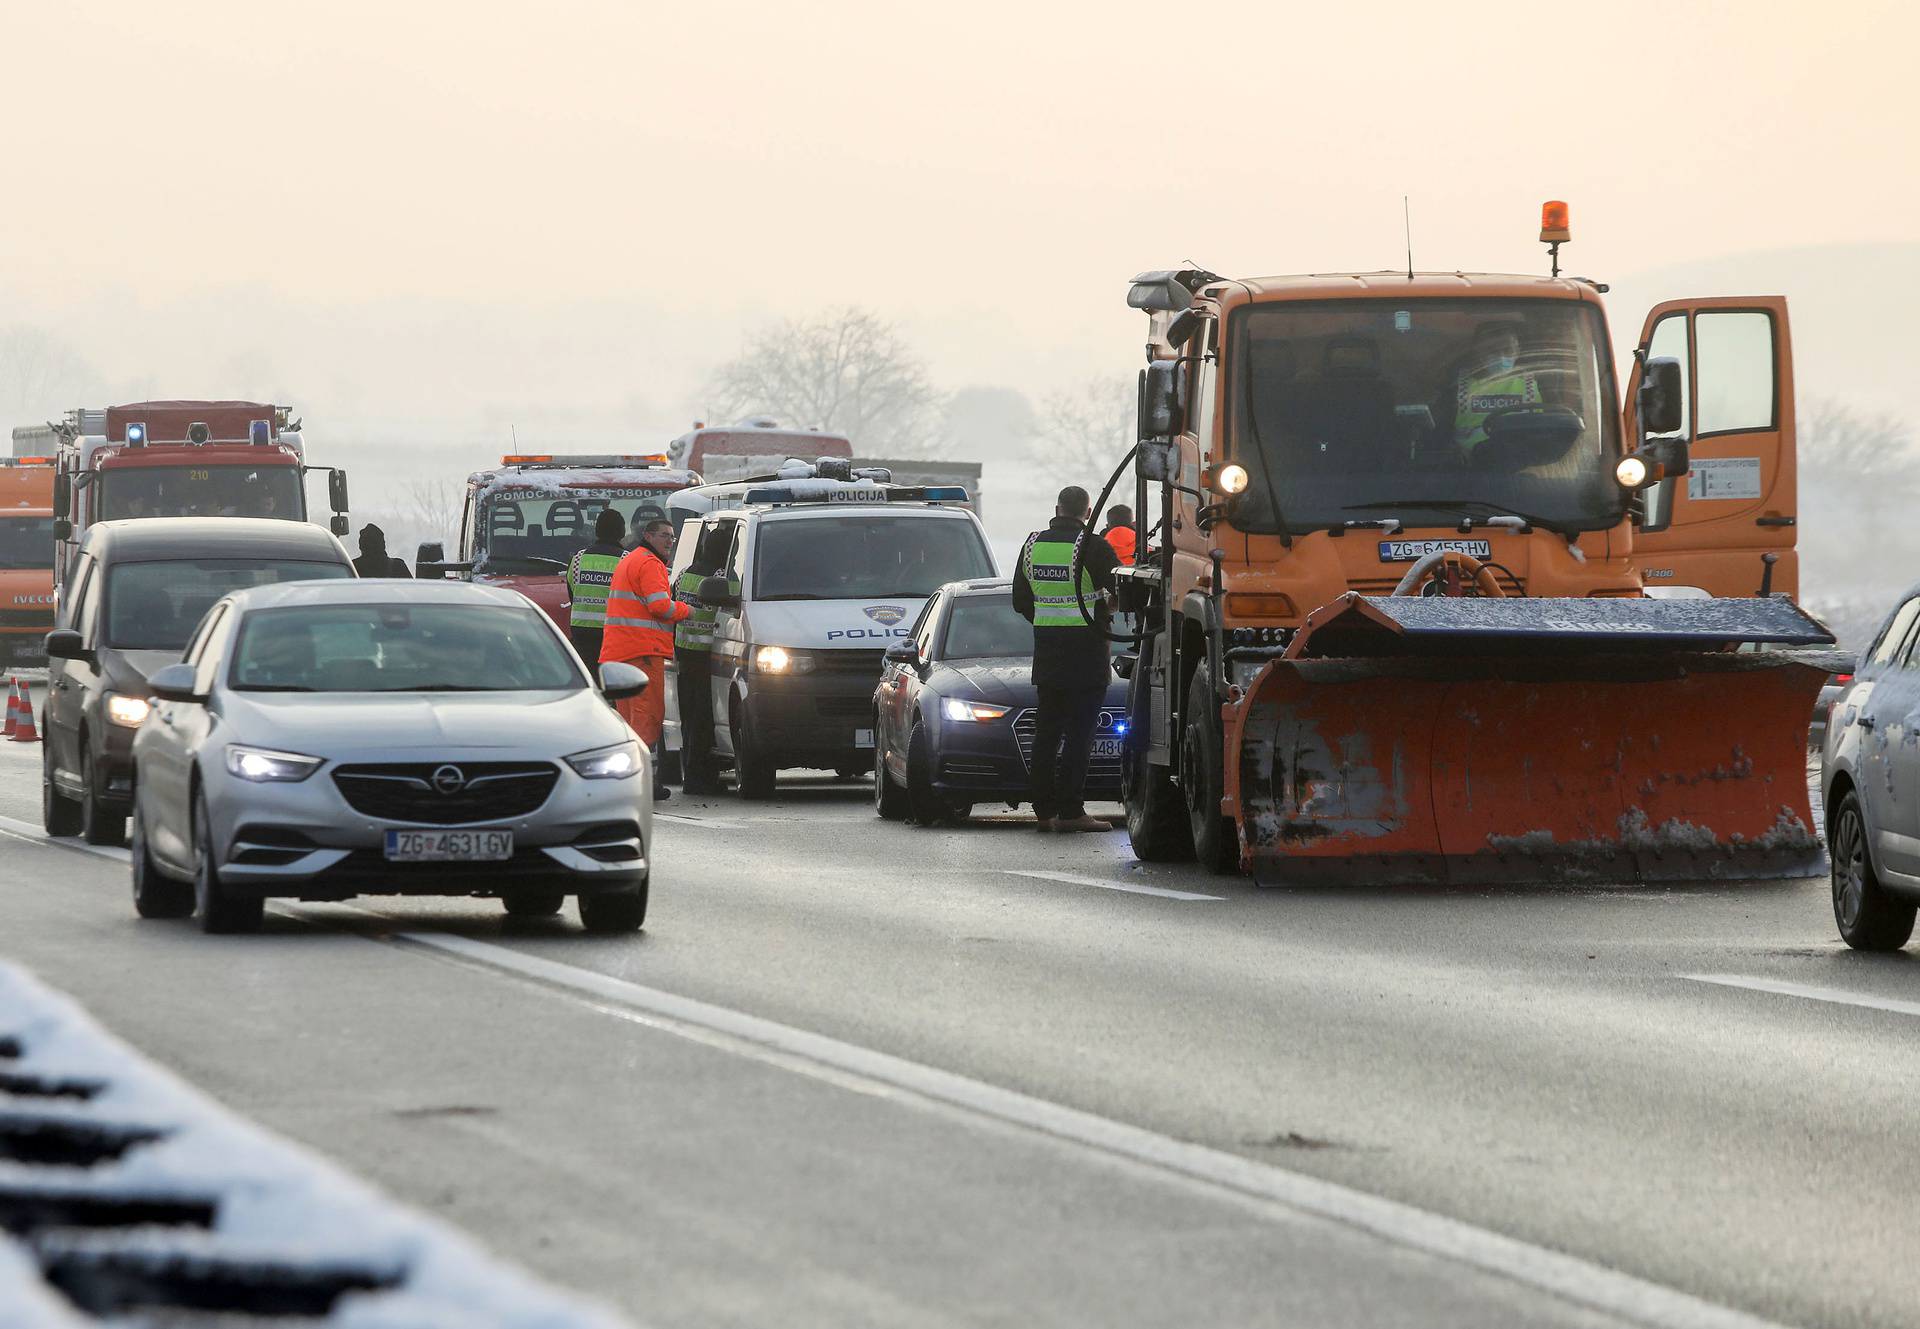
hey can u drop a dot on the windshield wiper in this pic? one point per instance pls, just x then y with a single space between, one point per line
442 687
1462 505
809 595
273 687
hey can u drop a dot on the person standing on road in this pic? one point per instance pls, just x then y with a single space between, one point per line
1119 533
692 662
641 612
374 560
1071 663
589 577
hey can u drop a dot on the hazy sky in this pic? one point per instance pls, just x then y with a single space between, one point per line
597 198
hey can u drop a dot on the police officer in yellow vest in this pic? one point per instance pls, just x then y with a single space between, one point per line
1072 662
692 661
1493 381
588 577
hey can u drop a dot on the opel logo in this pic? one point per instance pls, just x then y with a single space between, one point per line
449 780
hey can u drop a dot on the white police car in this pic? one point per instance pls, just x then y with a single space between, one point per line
820 577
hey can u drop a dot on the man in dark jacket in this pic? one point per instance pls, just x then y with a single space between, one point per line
1072 665
374 560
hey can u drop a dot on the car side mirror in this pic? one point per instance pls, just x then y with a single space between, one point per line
66 644
175 683
337 493
619 680
718 591
1661 387
904 652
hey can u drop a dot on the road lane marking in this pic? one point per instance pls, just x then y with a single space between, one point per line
26 830
1074 879
1572 1279
717 823
1836 996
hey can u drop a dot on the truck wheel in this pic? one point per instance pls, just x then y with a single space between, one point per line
1870 918
1215 843
753 768
924 806
614 911
98 823
220 909
1156 815
889 799
58 813
154 894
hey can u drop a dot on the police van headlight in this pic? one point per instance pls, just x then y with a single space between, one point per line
975 712
619 762
780 660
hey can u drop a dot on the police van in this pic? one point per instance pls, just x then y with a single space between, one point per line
810 580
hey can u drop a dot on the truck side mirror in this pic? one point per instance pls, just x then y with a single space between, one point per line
1161 410
430 551
1157 459
718 591
1661 387
338 524
62 529
62 496
337 493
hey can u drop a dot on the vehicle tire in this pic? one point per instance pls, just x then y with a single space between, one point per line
155 895
889 799
533 902
1870 918
924 806
1215 843
1156 814
753 769
220 910
58 813
615 911
98 824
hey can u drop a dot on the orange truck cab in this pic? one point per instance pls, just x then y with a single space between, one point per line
1398 528
26 560
525 520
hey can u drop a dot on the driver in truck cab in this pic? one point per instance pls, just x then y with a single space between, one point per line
1492 381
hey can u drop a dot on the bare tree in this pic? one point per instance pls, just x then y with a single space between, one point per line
1859 488
847 370
435 505
41 377
1084 432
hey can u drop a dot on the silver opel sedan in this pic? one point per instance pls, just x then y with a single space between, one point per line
321 740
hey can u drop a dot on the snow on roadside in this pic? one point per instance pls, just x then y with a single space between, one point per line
277 1202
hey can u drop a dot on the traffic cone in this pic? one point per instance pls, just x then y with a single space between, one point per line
23 729
13 706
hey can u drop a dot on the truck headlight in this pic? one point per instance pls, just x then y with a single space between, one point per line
970 711
1631 472
780 660
266 766
619 762
129 711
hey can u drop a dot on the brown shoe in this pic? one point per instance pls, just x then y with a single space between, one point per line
1083 822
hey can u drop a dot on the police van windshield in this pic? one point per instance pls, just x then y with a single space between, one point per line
530 532
26 542
865 557
200 491
1426 410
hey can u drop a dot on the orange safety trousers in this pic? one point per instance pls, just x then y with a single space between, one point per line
646 713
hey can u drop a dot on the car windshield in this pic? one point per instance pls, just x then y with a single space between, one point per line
400 648
199 491
865 557
981 626
26 542
155 606
523 531
1426 410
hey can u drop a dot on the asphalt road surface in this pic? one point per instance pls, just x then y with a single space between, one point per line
856 1073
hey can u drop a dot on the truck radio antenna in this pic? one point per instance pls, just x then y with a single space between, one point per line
1406 212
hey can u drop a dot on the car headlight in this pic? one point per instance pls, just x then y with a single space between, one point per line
780 660
976 711
619 762
264 765
129 711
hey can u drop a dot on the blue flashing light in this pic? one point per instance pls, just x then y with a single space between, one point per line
136 436
1119 726
260 432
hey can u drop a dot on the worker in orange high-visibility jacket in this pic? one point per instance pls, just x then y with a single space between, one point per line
1119 533
641 612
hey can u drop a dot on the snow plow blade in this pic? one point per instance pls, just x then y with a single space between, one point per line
1460 740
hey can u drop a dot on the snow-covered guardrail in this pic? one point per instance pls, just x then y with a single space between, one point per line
123 1190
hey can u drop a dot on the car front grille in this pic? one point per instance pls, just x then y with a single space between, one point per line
844 708
1097 767
865 664
424 793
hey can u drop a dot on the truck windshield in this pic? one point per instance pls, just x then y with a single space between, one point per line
1428 410
865 558
154 606
26 542
528 531
219 490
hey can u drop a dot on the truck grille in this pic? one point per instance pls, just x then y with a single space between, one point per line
1098 767
41 618
408 791
1385 585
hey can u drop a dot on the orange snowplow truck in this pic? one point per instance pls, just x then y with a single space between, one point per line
26 559
1395 617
